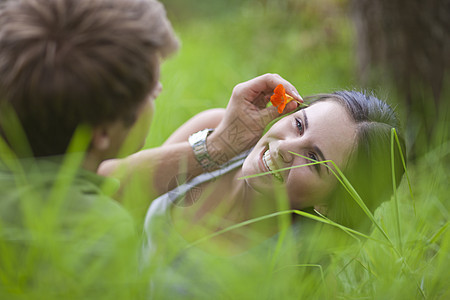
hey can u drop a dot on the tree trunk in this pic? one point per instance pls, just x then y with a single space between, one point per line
407 42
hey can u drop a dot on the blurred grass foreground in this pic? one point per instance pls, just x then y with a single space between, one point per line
312 44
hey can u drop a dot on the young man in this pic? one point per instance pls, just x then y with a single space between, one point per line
65 63
67 66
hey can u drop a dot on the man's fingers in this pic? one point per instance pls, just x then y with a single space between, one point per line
268 114
266 83
290 107
273 80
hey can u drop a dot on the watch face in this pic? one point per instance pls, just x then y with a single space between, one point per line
200 136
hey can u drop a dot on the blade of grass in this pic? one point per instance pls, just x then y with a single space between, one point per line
358 199
394 188
349 231
342 179
406 170
72 161
436 236
14 132
283 224
303 266
299 212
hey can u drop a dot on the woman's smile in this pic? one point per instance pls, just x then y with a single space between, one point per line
271 165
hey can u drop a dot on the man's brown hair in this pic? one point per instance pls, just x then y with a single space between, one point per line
69 62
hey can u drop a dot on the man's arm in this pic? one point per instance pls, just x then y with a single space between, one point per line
242 125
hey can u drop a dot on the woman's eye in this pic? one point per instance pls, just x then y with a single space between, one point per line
313 156
299 124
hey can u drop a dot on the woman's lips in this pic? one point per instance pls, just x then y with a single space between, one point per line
270 165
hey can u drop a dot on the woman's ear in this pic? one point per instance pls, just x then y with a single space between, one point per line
322 209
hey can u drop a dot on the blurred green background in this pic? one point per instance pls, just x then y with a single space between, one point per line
310 43
398 49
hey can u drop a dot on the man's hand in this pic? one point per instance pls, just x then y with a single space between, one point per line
247 115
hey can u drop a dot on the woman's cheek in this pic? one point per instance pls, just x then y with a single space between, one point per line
305 189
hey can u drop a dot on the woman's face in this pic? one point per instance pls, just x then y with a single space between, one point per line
322 131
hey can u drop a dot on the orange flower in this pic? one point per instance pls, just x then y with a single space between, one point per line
280 98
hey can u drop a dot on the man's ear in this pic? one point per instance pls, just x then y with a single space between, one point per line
101 139
322 209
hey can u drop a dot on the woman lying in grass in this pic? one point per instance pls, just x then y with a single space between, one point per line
349 128
296 158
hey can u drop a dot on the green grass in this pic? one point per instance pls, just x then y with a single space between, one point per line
406 258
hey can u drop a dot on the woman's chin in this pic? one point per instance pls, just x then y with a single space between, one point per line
264 184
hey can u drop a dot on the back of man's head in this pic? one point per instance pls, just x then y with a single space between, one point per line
69 62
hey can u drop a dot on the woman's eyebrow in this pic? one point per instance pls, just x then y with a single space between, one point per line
316 149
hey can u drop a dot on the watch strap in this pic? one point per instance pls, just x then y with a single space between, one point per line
198 144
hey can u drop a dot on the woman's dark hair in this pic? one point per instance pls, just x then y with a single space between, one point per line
369 170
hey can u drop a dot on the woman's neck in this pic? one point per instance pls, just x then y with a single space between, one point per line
223 203
248 204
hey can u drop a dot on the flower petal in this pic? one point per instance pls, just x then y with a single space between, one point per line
279 90
280 98
276 99
281 107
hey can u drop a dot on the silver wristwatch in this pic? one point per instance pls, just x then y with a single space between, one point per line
198 144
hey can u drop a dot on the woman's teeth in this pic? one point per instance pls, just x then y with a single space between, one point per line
270 165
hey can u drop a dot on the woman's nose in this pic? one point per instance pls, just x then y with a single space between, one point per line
282 150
